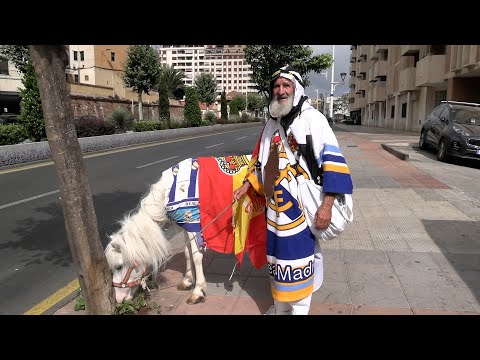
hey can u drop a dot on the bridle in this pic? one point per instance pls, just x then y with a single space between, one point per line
130 284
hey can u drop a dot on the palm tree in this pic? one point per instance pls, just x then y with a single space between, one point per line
174 80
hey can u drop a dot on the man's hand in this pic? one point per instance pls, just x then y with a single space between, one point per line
323 216
237 194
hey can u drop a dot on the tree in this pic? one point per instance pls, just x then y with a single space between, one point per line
237 104
31 114
18 54
266 59
192 112
206 87
142 68
256 102
173 80
163 102
49 62
223 106
341 104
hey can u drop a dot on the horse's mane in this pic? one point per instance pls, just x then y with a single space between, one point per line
140 239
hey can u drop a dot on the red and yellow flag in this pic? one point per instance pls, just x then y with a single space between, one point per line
242 226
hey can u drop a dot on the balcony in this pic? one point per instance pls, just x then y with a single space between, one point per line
379 91
407 79
408 50
380 68
380 48
430 71
362 67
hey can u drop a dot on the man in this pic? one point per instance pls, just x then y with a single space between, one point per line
295 263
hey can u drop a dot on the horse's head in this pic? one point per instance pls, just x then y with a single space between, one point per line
127 275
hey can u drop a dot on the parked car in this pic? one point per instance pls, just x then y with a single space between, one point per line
6 119
453 129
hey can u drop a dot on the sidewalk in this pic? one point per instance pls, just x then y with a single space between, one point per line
412 249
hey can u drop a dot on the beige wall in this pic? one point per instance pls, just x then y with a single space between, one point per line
413 74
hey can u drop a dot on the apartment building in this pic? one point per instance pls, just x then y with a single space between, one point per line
10 83
226 62
397 86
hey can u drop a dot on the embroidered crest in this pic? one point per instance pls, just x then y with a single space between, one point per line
232 164
292 142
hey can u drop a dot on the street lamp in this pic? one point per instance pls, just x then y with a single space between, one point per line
333 84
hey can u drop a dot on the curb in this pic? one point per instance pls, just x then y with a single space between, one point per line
398 154
38 151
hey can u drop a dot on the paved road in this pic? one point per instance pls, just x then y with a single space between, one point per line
413 247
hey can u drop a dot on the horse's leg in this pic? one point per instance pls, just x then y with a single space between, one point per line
198 294
187 280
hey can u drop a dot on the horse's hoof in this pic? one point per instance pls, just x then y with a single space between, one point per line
192 300
184 287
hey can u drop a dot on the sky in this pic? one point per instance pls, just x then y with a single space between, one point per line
342 64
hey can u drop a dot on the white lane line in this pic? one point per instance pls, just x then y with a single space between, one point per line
243 137
208 147
29 199
156 162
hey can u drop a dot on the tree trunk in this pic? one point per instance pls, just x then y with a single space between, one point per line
140 107
79 214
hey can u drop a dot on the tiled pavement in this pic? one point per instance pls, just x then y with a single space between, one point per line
412 249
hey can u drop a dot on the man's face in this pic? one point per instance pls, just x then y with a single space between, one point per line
283 94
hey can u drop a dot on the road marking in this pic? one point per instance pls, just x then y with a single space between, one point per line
53 299
208 147
29 199
243 137
116 150
156 162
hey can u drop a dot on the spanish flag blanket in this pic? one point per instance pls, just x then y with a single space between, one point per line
199 198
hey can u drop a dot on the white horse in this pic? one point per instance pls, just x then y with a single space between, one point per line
139 248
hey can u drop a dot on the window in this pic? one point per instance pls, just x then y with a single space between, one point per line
112 56
445 113
4 67
76 78
75 55
440 96
86 77
404 110
392 112
82 55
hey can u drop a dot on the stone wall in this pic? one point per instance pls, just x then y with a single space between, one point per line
101 107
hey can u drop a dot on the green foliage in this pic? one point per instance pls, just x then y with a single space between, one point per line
31 114
93 127
223 106
266 59
12 134
209 118
79 302
142 68
174 81
128 307
256 101
192 112
163 103
237 104
140 126
18 54
122 118
341 104
206 87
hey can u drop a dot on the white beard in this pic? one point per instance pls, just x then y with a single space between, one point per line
278 110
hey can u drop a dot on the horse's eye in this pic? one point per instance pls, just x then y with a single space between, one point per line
118 267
